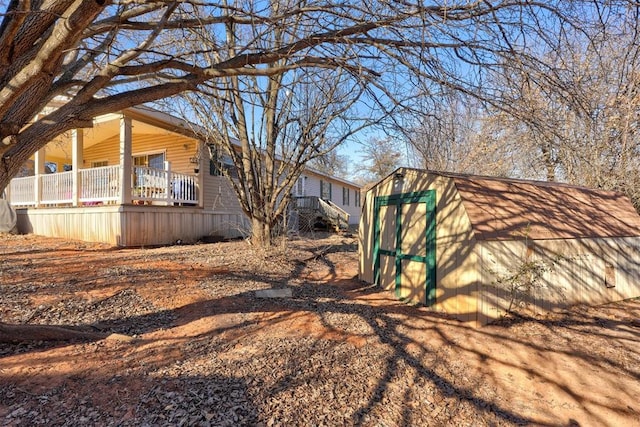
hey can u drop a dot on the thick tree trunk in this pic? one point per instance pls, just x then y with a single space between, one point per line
24 333
8 169
261 233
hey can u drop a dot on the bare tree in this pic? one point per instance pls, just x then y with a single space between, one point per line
271 127
576 119
101 56
455 135
332 163
380 156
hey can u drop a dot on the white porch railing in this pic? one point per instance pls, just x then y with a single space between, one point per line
184 188
22 191
150 184
102 186
57 188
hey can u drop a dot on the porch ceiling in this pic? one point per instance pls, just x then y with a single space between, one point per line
107 127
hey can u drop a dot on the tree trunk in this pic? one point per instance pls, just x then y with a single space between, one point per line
261 233
9 168
24 333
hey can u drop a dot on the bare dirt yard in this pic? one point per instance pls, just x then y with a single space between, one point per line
177 336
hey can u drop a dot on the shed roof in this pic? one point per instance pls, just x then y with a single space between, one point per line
501 209
507 209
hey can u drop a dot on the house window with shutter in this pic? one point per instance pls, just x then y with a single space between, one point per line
357 199
220 163
345 196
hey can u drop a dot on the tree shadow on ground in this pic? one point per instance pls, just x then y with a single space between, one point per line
419 356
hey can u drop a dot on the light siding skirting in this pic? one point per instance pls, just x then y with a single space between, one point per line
131 225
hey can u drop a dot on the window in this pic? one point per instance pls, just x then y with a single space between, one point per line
215 168
609 275
357 199
220 164
325 190
151 160
345 196
298 189
100 164
155 160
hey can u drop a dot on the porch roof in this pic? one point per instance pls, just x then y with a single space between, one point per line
145 120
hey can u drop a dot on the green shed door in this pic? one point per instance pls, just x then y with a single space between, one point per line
404 250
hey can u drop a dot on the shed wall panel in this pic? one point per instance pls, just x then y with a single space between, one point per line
387 272
575 272
412 281
414 225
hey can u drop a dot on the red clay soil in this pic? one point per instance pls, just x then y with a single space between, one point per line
177 336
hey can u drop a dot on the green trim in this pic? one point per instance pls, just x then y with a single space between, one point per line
429 198
376 241
398 286
406 198
417 258
431 251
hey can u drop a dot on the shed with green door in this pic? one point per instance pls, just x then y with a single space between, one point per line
469 245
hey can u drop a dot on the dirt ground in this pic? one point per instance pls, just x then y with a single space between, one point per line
177 336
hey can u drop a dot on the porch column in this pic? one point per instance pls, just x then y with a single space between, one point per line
77 145
203 167
38 168
125 160
167 182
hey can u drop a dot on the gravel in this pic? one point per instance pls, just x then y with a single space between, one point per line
222 357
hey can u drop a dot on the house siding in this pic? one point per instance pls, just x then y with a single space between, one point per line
312 188
173 145
219 195
312 185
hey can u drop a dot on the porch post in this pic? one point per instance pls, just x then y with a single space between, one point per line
202 167
167 182
125 160
77 145
38 168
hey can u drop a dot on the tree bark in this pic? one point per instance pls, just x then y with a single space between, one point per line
260 233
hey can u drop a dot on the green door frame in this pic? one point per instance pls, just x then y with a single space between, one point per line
429 198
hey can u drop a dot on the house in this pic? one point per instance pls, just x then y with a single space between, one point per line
142 177
457 242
